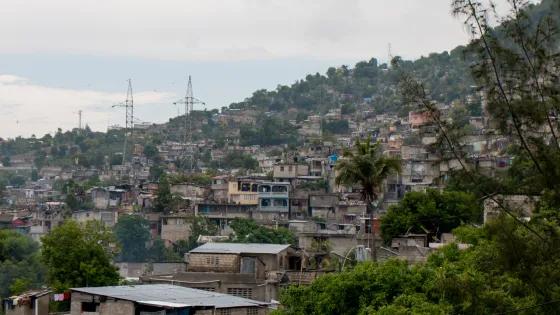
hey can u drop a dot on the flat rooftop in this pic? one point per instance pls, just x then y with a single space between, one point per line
170 296
240 248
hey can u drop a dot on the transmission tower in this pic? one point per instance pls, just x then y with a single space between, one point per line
189 102
129 127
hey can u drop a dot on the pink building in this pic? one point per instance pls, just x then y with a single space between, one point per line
417 119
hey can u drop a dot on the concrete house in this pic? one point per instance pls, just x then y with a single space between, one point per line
243 192
252 271
220 188
28 303
190 190
159 299
174 228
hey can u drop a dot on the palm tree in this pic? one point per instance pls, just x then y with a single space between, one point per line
367 168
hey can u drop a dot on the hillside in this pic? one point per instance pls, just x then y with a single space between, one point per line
445 75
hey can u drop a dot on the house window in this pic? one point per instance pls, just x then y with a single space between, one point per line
89 306
280 202
217 260
224 311
254 187
289 168
279 189
281 168
246 293
245 187
252 311
234 185
265 202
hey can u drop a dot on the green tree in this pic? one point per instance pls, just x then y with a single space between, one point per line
367 288
249 231
133 235
71 201
40 159
150 151
115 159
34 175
80 255
6 161
163 193
199 226
158 252
367 167
431 211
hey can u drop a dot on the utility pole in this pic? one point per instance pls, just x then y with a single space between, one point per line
80 120
129 127
189 102
389 57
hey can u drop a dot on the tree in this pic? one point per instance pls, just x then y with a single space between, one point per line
163 193
133 235
431 211
159 253
150 151
40 158
80 255
199 226
156 171
20 265
71 201
249 231
34 175
368 167
17 181
367 288
115 159
6 161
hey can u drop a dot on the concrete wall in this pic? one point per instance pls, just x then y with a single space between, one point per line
340 243
220 282
199 262
43 307
190 190
290 170
238 196
175 228
135 270
110 307
411 253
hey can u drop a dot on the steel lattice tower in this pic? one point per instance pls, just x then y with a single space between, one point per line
189 101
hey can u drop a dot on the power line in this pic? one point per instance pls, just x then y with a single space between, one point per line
526 308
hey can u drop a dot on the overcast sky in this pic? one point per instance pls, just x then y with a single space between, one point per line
61 56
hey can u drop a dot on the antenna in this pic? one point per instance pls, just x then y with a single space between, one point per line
189 102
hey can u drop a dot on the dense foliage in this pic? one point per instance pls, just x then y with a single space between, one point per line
505 269
133 235
80 255
431 211
199 226
20 265
249 231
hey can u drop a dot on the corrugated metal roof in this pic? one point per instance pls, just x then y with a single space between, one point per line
170 296
238 248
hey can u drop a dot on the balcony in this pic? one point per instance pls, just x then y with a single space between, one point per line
273 194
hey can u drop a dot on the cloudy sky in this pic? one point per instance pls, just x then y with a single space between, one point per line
61 56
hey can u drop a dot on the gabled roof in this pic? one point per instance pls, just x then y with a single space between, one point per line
240 248
170 296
